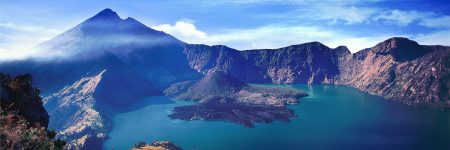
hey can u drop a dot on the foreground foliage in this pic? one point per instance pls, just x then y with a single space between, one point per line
15 133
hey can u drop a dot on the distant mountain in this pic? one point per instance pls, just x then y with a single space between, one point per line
306 63
398 68
206 59
154 54
105 31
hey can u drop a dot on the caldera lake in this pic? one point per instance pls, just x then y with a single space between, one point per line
331 117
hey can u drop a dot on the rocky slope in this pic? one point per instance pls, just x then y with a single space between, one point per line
398 68
82 111
221 96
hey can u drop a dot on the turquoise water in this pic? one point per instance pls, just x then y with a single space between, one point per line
332 117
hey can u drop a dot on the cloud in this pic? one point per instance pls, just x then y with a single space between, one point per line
276 36
350 12
181 29
434 38
16 41
437 22
400 18
404 18
304 2
336 13
271 36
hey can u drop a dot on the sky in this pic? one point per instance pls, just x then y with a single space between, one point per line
240 24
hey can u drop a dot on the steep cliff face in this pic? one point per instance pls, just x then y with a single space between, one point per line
398 68
311 63
18 94
401 70
206 59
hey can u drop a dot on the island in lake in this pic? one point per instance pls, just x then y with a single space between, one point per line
221 96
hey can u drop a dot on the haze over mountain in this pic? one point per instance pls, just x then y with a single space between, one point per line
107 63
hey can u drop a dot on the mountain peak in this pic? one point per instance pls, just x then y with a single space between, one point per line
342 50
310 44
107 14
400 48
400 41
218 82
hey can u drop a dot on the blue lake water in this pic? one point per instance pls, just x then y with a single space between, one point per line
332 117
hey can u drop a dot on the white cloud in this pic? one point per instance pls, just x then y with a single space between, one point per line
401 18
404 18
347 11
309 2
181 29
272 36
335 13
435 38
437 22
351 12
16 41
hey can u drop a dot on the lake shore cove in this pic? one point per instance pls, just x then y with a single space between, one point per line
221 96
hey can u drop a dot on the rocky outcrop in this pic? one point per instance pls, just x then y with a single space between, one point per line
18 94
23 119
221 96
157 145
398 69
